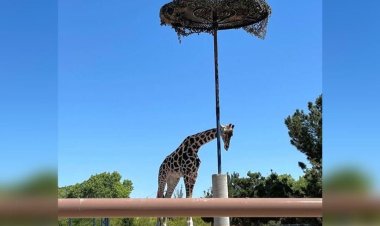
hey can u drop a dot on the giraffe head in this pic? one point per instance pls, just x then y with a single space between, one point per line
226 134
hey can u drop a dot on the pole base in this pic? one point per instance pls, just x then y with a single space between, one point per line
220 190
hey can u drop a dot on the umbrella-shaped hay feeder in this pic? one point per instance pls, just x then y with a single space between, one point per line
197 16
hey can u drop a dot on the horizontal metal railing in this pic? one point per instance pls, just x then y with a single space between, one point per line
46 207
204 207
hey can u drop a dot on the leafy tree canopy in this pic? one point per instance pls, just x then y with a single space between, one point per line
103 185
255 185
305 131
347 180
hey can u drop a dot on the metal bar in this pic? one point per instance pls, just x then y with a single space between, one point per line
217 107
207 207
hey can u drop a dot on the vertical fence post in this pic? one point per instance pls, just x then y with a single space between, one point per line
105 221
69 221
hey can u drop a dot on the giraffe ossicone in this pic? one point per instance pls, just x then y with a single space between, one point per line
184 162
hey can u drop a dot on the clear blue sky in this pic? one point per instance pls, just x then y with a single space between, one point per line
28 88
127 92
351 85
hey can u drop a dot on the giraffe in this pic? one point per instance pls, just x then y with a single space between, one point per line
184 162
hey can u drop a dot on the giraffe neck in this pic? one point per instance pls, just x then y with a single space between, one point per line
199 139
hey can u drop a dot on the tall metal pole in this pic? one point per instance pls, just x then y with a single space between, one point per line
215 34
219 181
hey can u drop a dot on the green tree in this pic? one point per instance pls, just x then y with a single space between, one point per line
305 131
103 185
255 185
348 180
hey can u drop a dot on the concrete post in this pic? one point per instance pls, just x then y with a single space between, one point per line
220 190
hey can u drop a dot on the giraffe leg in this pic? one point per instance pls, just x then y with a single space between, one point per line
172 182
189 185
160 222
